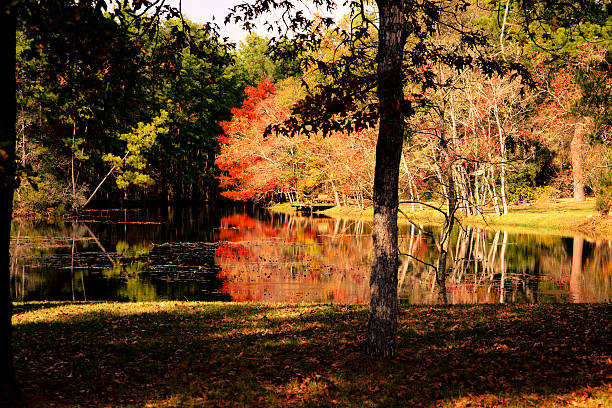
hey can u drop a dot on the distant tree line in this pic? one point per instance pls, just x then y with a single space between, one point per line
106 113
496 140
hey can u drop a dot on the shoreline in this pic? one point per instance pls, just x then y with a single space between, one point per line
562 217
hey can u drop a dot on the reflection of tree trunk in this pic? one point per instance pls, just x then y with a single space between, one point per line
402 275
576 151
502 267
493 253
83 285
98 242
72 264
575 288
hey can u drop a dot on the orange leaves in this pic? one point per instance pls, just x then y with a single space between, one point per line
242 121
253 164
243 147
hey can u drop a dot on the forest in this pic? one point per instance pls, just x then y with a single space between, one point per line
373 203
508 143
127 116
139 118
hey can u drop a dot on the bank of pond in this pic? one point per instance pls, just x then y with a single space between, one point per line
241 253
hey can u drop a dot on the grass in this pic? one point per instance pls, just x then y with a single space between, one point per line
562 217
283 208
559 217
192 354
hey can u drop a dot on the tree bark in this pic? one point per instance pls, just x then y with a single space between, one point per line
9 391
576 149
382 325
445 232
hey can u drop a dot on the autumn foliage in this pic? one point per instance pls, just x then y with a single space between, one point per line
253 165
242 159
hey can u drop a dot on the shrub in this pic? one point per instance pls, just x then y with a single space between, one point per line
546 193
538 194
603 193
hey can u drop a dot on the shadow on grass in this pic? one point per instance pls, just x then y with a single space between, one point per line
257 355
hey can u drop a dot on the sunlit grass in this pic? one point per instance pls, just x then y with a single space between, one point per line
196 354
561 217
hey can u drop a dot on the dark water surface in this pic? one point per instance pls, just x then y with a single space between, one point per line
243 254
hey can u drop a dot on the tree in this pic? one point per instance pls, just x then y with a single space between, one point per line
405 54
198 94
249 162
9 392
574 110
130 166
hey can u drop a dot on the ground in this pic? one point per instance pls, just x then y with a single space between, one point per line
196 354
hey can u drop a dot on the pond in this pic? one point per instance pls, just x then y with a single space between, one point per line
245 253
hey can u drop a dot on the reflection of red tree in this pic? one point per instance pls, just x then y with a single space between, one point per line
241 227
291 262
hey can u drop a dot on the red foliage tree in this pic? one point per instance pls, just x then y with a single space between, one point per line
241 146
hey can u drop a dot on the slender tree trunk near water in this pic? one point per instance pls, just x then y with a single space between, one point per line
576 152
494 192
504 157
382 325
9 391
452 205
72 164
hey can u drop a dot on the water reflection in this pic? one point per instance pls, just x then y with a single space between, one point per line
245 254
294 258
498 267
118 255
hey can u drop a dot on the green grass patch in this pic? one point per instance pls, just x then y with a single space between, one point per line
283 208
422 217
193 354
563 217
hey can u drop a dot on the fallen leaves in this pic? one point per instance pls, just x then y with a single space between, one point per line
221 354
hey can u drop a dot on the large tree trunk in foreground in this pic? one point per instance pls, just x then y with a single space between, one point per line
9 392
382 326
576 152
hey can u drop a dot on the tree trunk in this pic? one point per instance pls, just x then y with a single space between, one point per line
9 392
504 156
494 192
576 149
445 232
382 325
336 196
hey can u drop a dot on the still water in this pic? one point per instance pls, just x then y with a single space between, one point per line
242 254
